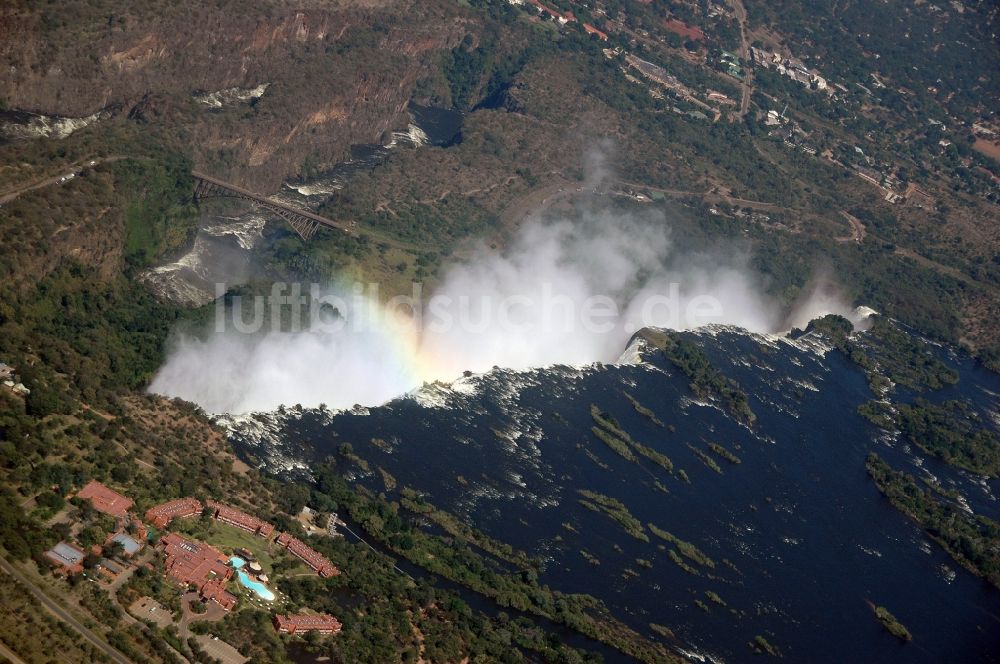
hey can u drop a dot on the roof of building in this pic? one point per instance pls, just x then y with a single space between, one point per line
677 27
65 554
104 499
591 30
193 563
128 543
166 512
111 566
216 590
554 13
241 519
320 563
323 621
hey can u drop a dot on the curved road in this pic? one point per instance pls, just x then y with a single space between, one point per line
63 614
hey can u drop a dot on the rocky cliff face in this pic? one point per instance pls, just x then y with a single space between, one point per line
336 73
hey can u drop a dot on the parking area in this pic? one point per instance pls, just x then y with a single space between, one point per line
220 650
147 608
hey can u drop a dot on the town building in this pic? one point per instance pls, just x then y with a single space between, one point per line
105 500
235 517
317 561
161 515
323 623
562 18
67 559
720 98
686 31
591 30
138 530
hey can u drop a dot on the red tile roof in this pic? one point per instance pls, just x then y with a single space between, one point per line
216 591
591 30
161 515
317 561
104 499
680 28
324 623
554 13
240 519
193 563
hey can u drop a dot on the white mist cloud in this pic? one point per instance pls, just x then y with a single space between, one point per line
231 372
563 292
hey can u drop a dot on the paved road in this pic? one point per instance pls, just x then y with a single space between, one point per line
63 614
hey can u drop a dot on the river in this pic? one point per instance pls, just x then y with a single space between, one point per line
800 537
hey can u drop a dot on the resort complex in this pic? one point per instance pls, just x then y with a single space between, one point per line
198 565
189 564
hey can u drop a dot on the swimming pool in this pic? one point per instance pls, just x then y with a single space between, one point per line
262 591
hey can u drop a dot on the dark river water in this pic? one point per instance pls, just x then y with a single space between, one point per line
809 541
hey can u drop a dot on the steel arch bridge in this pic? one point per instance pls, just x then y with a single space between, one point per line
304 223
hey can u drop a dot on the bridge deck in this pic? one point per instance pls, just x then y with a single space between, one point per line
246 193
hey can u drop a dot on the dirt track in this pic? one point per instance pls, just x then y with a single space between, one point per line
75 168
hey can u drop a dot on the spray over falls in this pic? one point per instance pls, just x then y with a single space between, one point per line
563 293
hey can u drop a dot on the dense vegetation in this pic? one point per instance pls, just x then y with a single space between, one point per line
972 540
159 214
615 509
688 549
707 382
416 503
844 39
887 353
892 625
610 432
953 432
33 634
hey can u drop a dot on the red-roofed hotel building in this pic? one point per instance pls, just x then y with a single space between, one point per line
240 519
317 561
161 515
191 563
323 623
104 499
